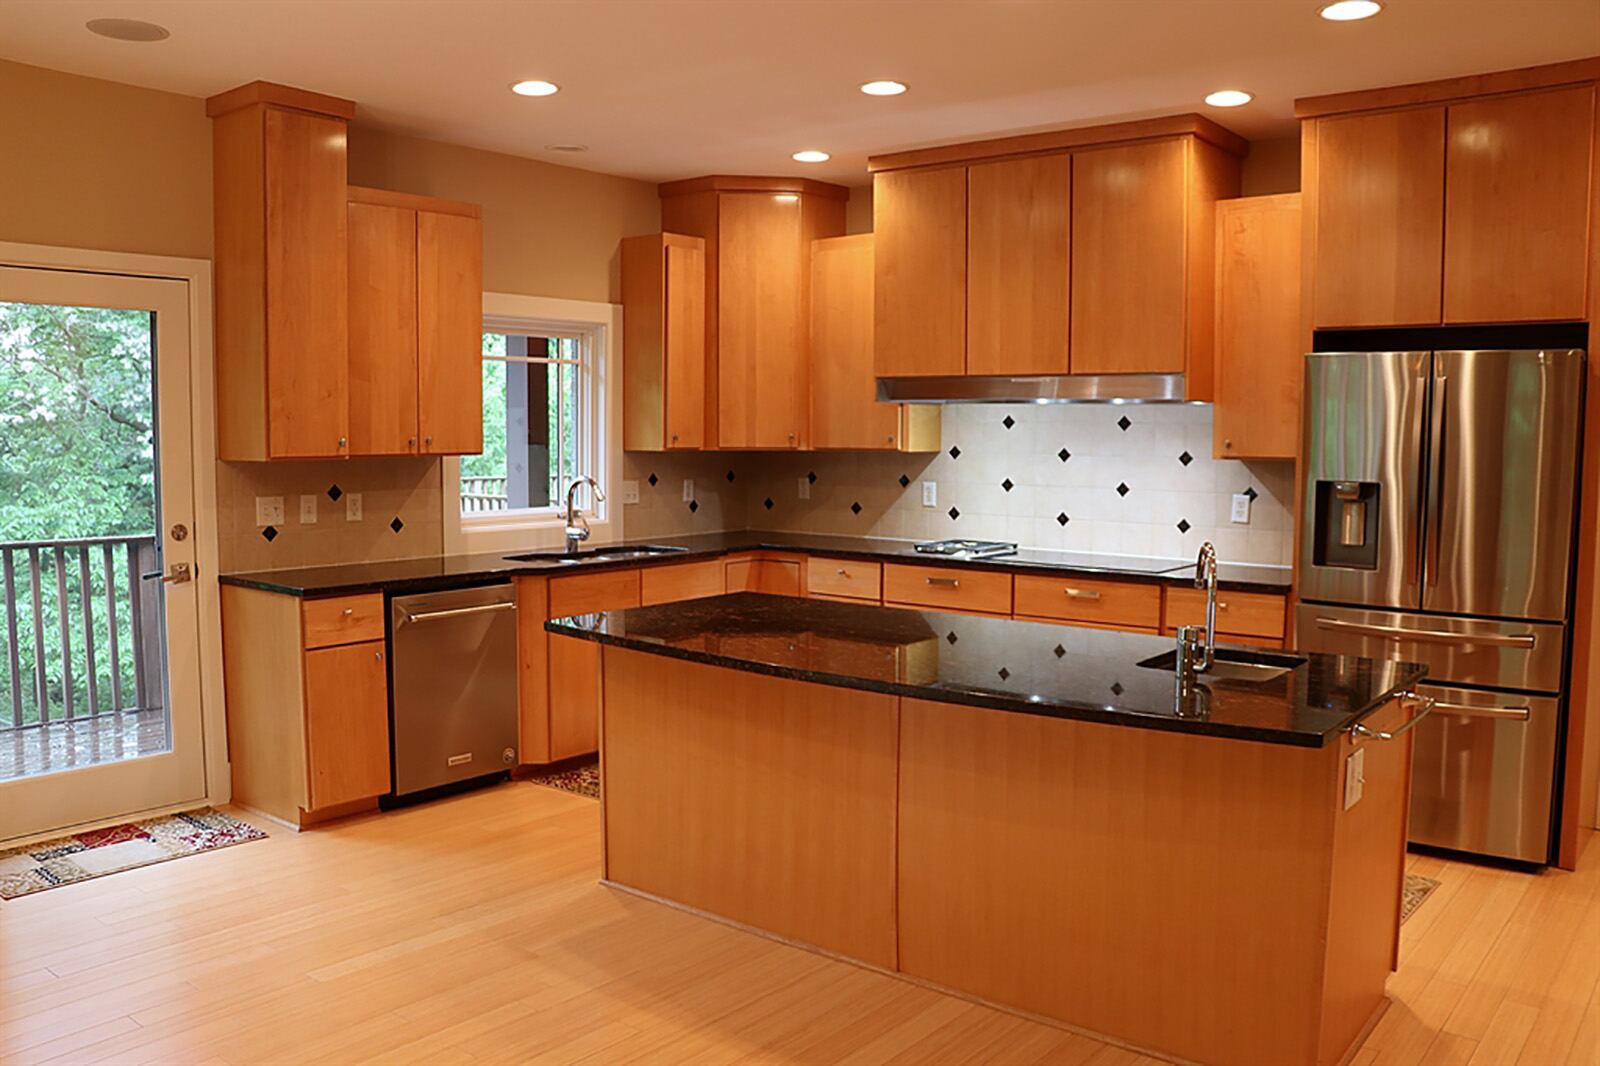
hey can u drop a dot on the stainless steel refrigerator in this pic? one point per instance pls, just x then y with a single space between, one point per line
1440 496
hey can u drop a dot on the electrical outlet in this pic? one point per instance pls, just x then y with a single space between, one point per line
1355 777
630 492
269 510
1241 509
930 494
352 507
803 488
308 510
688 489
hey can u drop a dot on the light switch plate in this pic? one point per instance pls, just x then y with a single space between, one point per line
352 507
308 510
1241 509
630 492
269 510
1355 777
930 494
803 488
688 489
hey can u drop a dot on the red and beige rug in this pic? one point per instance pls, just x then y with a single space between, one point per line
83 856
581 778
1417 889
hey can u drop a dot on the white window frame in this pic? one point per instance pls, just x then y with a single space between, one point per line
600 391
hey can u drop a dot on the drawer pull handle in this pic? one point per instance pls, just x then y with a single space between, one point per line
1083 594
842 572
348 611
945 582
1467 710
1428 636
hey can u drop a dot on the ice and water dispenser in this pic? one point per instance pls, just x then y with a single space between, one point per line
1345 524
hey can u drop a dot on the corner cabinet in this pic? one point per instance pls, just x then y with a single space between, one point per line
416 321
663 342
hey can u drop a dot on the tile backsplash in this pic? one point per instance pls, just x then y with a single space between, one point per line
718 500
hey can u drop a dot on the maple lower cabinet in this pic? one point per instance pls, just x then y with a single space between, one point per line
1259 363
920 272
279 166
845 412
307 685
416 325
758 234
663 342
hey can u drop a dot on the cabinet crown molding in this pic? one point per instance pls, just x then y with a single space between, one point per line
1060 140
750 183
1548 76
271 93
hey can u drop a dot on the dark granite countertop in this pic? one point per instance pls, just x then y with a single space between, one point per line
432 572
1024 667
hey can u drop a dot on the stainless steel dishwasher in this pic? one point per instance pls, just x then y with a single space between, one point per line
454 680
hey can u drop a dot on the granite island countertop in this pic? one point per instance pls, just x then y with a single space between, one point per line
440 571
999 663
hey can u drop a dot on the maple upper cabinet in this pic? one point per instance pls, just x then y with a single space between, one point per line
1516 219
1259 362
1019 265
758 234
845 412
920 274
663 342
279 162
415 350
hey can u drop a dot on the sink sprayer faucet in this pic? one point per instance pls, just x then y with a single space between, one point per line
577 525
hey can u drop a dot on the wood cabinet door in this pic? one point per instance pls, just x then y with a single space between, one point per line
1516 235
1019 264
383 329
1259 362
574 697
684 343
920 272
449 333
1379 224
1129 291
347 723
307 304
762 378
845 412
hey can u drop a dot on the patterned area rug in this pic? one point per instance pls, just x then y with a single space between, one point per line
582 778
66 860
1417 889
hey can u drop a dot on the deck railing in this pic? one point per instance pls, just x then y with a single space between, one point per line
483 494
82 629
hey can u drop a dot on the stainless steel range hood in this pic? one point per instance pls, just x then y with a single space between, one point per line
1061 388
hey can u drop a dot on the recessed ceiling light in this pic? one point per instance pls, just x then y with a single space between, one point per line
1229 98
885 87
127 29
566 147
535 88
811 155
1351 10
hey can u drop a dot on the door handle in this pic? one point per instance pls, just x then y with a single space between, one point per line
177 574
457 612
1428 636
1441 426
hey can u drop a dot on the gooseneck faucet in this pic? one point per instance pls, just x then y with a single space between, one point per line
1205 577
577 525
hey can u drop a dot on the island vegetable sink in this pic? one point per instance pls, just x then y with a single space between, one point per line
614 553
1232 664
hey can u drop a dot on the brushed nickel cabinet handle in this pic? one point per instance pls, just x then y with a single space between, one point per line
842 572
945 582
1083 594
348 611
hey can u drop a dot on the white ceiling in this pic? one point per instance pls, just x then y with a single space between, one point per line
663 89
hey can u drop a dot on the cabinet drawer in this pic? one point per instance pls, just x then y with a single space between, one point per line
1110 603
776 577
609 590
342 620
842 577
1243 614
684 581
947 588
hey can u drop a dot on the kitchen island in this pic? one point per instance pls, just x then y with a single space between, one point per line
1019 813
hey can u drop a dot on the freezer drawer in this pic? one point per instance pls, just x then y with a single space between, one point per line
1483 773
1467 651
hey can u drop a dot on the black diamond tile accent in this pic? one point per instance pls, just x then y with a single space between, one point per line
855 508
1008 421
955 452
952 638
1183 525
1116 688
653 480
1252 493
271 533
954 514
730 477
694 505
1062 519
1007 485
812 477
1003 674
1063 455
334 492
396 524
1123 423
1185 458
904 481
1060 651
1123 489
767 503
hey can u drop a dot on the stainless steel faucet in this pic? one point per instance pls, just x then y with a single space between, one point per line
1205 577
577 525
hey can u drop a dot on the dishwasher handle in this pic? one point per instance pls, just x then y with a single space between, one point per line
457 612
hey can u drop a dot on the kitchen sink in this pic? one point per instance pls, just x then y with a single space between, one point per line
1232 664
612 554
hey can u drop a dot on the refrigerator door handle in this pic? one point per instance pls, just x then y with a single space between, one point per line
1433 531
1428 636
